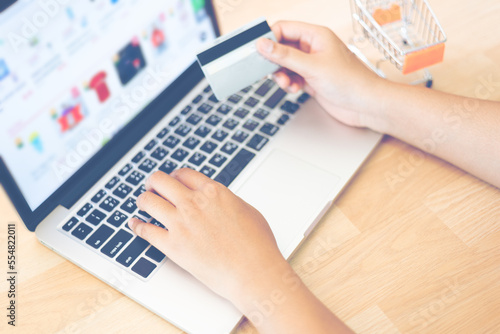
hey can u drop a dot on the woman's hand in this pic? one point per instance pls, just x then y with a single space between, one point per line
212 233
228 246
316 60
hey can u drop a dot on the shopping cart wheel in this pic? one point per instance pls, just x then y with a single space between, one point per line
429 83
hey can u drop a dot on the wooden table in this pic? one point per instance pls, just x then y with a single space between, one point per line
411 246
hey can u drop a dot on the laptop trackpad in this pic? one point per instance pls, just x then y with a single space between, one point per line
290 193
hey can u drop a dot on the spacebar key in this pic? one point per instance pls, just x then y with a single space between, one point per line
234 167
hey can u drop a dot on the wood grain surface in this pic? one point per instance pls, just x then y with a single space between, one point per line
411 246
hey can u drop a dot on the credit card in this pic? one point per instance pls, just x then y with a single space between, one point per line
232 62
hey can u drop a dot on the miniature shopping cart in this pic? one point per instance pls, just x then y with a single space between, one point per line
406 32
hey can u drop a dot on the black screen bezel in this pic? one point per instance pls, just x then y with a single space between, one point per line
76 186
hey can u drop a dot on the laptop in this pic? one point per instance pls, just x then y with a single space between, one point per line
97 95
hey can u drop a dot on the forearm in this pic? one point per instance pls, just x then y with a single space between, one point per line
462 131
281 303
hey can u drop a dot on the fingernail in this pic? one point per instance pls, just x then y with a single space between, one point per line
267 45
131 224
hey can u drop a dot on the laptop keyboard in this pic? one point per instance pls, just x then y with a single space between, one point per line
219 139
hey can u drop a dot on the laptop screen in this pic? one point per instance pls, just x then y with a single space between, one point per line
73 73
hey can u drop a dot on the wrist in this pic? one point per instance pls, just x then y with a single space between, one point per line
376 104
263 287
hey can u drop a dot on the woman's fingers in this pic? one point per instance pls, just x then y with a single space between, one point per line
157 236
190 178
297 32
284 55
289 80
161 209
168 187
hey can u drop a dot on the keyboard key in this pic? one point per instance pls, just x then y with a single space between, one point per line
214 120
275 99
112 183
84 210
168 167
241 113
135 178
251 102
251 125
157 223
171 141
213 98
283 119
220 135
154 254
69 225
240 136
197 99
303 98
191 143
151 145
129 206
175 121
159 154
82 231
197 159
139 191
269 129
147 165
265 88
117 218
261 114
162 133
136 247
124 171
246 89
231 124
109 204
95 217
116 243
208 171
224 109
234 98
144 214
186 110
234 167
143 267
290 107
205 108
203 131
180 155
97 197
138 157
99 237
187 166
122 191
257 142
207 89
218 160
229 148
183 130
194 119
208 147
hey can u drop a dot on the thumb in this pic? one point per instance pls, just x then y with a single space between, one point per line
155 235
284 55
